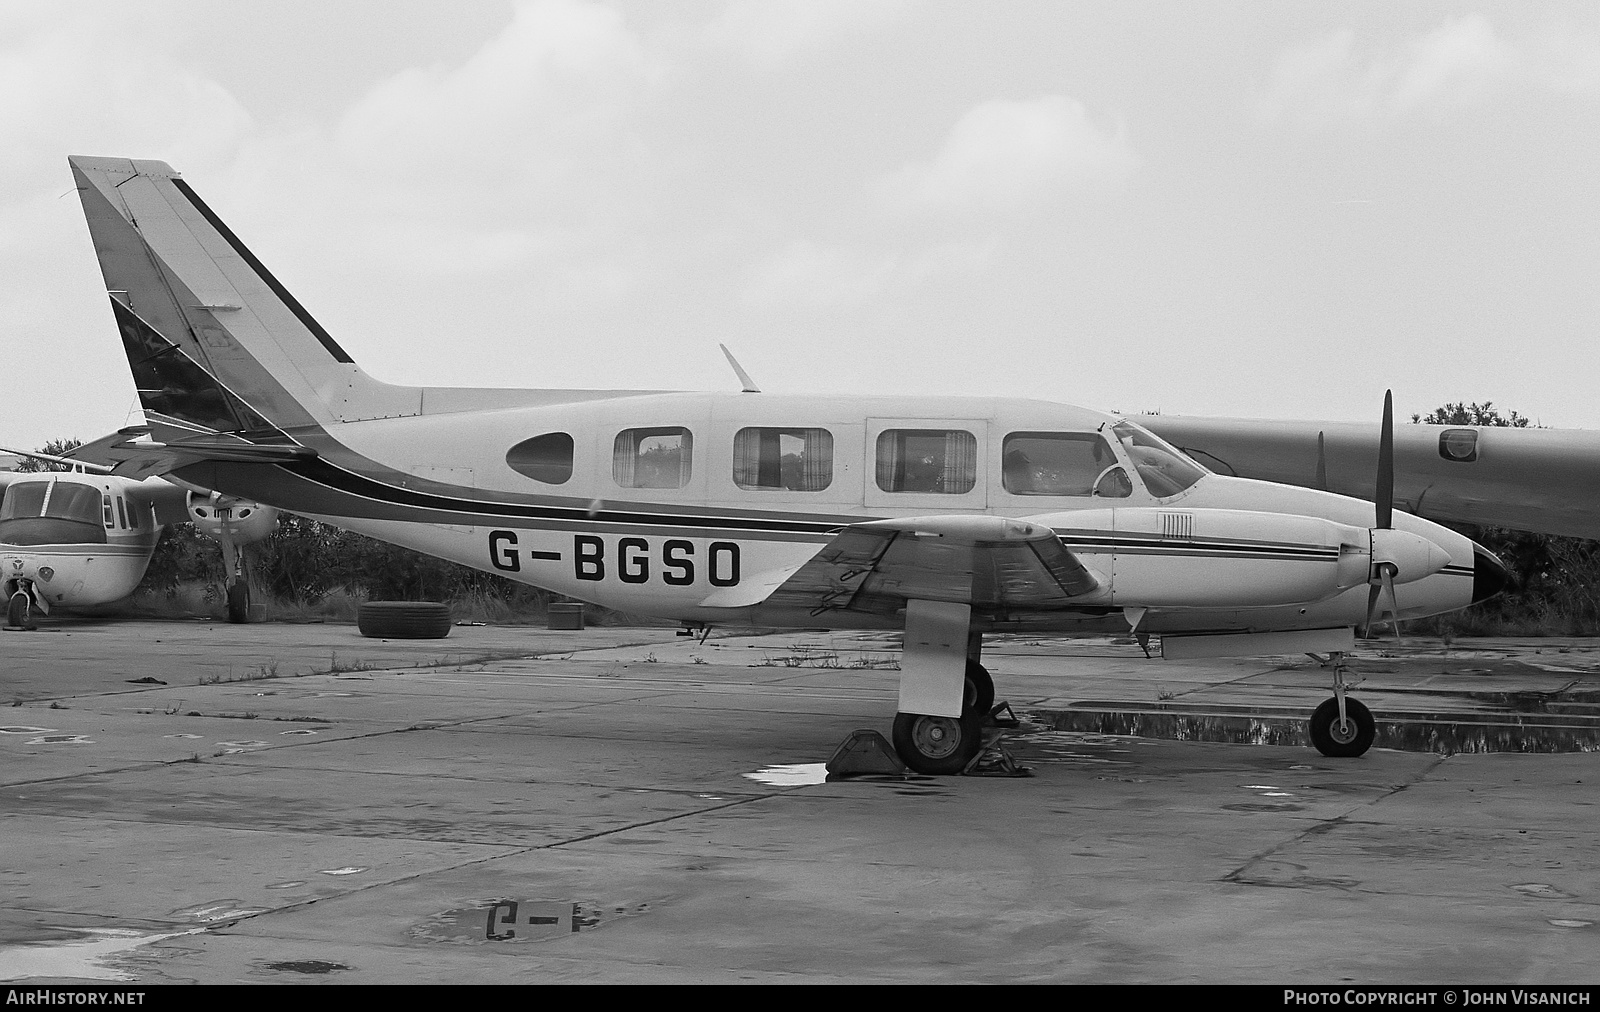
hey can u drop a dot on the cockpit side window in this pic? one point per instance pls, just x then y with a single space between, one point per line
1164 470
1059 463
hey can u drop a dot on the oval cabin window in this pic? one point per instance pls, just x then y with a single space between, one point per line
546 458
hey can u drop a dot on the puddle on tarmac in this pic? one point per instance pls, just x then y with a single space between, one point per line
794 775
1526 730
79 958
1068 747
307 966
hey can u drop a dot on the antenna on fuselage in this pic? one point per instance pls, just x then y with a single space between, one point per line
744 377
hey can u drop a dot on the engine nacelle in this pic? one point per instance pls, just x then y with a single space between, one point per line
244 522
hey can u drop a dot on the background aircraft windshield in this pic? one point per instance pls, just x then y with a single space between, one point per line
1165 471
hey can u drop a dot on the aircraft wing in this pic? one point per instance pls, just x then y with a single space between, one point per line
1541 480
990 563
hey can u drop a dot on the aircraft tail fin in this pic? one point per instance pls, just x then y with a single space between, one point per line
214 340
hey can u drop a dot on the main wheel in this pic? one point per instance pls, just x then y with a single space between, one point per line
238 602
979 697
17 612
937 746
1342 740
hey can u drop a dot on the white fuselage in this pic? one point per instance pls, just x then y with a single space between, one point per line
663 551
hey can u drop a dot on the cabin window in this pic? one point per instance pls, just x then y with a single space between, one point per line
110 518
546 458
937 461
652 458
800 460
1164 470
1059 463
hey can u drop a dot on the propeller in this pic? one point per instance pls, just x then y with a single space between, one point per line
1384 570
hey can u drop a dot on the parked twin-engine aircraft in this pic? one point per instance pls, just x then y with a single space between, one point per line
947 518
79 538
1529 479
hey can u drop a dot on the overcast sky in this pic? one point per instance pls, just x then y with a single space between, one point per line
1255 209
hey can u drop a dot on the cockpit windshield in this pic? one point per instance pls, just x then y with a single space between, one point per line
1165 470
63 500
53 512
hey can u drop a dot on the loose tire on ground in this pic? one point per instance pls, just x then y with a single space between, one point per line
404 620
937 746
1342 742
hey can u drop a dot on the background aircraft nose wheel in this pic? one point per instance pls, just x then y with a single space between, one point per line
1342 740
937 746
18 611
979 697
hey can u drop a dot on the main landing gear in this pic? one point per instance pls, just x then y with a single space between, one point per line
1342 727
944 746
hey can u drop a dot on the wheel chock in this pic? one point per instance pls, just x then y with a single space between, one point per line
1003 716
865 751
993 760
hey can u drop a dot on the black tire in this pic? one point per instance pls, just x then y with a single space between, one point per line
239 602
404 620
1347 742
937 746
18 611
979 696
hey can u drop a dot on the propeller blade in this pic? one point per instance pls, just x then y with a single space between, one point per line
1372 605
1385 497
1386 465
1394 603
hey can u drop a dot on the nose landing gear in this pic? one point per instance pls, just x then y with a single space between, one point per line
1342 727
19 611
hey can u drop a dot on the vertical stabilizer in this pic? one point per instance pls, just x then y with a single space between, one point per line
188 293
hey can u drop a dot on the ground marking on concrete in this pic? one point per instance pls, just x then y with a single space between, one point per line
790 775
80 957
24 729
60 739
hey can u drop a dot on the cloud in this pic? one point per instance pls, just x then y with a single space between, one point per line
815 275
74 91
1007 155
770 33
559 77
1460 62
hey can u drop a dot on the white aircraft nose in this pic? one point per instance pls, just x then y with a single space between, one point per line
1412 555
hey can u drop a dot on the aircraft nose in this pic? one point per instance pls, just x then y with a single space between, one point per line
1489 576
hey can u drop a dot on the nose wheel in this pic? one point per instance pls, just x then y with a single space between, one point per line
1342 728
19 611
